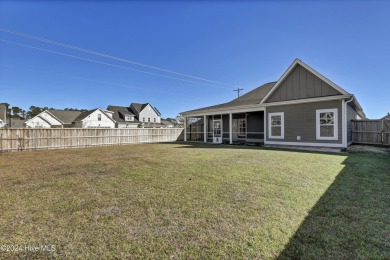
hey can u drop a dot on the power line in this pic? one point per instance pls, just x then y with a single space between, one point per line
92 80
108 56
109 64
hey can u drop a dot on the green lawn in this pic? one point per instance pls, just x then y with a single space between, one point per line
191 201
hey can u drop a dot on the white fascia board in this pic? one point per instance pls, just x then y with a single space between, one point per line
308 100
316 73
105 113
336 145
284 75
240 109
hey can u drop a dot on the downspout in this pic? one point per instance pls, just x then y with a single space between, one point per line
345 122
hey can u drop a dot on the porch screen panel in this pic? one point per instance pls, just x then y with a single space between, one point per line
225 126
195 128
255 124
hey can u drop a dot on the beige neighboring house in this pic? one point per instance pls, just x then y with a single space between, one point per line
53 118
18 123
3 115
95 118
167 124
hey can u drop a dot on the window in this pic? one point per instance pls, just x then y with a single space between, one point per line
242 127
276 125
154 119
99 117
326 124
149 119
143 119
129 118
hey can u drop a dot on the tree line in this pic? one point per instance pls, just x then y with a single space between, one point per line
19 113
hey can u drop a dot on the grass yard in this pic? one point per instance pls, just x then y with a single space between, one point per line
191 201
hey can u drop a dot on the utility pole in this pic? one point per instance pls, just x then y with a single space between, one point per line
238 91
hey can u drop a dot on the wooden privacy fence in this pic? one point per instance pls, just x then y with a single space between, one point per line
57 138
375 132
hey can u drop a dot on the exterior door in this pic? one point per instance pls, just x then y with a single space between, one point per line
241 128
217 131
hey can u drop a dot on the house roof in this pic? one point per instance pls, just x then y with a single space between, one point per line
252 97
260 94
139 107
66 116
386 117
119 113
166 122
87 113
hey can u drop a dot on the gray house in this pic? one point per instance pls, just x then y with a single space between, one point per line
302 108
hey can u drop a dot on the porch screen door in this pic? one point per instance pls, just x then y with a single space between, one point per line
217 131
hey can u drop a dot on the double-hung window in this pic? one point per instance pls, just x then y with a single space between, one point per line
99 117
326 124
276 125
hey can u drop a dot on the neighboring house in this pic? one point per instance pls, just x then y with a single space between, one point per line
167 124
53 118
387 117
18 123
124 117
137 115
3 115
95 118
302 108
146 114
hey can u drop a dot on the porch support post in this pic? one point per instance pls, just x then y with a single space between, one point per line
230 128
204 129
185 129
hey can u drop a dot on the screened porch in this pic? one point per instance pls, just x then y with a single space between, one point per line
232 128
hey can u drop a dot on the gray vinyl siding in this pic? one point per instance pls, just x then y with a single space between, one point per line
301 84
351 115
300 120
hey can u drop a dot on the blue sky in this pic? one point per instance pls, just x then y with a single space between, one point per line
237 43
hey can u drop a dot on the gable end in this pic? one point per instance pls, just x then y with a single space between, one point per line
301 84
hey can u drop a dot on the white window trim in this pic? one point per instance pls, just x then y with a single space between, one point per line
281 114
335 128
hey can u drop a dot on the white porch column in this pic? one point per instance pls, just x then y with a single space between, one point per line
230 128
205 129
185 129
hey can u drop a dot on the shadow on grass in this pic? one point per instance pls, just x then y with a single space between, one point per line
351 220
191 145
